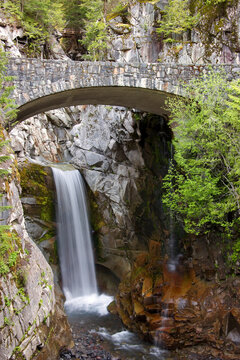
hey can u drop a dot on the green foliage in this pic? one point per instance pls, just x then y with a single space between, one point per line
33 182
4 269
214 2
176 19
234 96
23 296
203 183
12 259
17 352
9 248
6 103
37 17
95 34
73 14
209 17
5 245
7 321
235 254
12 10
8 239
7 301
121 9
8 253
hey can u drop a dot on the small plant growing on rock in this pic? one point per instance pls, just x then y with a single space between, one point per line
7 104
234 256
7 322
7 301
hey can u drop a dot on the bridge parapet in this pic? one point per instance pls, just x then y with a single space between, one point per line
36 78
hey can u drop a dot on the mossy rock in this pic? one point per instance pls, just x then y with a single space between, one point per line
214 16
112 308
36 182
97 223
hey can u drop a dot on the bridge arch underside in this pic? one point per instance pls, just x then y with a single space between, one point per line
152 101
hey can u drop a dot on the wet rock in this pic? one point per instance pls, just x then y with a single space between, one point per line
27 290
176 309
104 143
87 346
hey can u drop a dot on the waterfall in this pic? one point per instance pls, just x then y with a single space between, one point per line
172 242
74 235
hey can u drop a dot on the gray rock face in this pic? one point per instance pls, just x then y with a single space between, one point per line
142 44
42 137
139 44
13 40
27 293
104 146
30 306
8 35
109 158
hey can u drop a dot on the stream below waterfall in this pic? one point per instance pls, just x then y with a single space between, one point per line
97 334
93 326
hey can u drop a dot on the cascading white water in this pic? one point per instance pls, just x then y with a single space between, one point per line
74 236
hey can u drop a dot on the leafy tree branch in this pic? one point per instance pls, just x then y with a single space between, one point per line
203 183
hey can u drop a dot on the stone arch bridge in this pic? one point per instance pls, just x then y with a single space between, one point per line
42 85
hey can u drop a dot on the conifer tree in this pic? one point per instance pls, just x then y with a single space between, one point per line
37 17
95 35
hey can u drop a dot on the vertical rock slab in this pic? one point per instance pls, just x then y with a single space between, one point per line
28 310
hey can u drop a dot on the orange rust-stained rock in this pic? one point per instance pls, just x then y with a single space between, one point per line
177 309
142 259
138 308
158 285
155 249
147 287
153 308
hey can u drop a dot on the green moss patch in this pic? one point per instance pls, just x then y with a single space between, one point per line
213 18
97 223
34 183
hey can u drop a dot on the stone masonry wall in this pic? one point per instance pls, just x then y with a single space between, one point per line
34 78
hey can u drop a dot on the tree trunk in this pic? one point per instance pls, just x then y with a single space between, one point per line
105 9
22 5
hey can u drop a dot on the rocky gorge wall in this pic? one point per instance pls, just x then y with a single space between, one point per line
179 310
215 39
133 37
194 306
123 156
30 308
108 145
